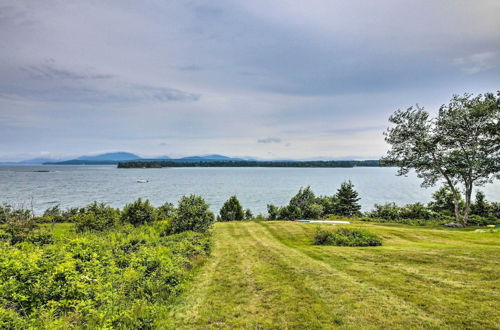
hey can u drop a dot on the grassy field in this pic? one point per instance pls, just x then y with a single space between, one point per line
269 275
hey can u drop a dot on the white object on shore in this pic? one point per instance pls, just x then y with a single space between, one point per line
142 181
323 221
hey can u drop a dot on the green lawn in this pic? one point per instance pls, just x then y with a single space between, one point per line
269 275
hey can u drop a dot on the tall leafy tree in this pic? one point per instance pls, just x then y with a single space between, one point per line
303 198
232 210
460 147
347 200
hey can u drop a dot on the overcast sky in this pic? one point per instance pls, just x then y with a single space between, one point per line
263 78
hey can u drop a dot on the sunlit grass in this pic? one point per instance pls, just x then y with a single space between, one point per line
270 275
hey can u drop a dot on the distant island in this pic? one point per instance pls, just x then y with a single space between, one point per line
248 163
114 158
130 160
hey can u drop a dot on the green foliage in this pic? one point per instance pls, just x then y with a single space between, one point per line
443 201
290 212
248 214
303 198
313 211
97 217
166 211
232 210
249 163
390 212
306 205
346 237
328 203
495 209
347 200
138 213
273 212
481 207
192 215
120 278
459 147
8 212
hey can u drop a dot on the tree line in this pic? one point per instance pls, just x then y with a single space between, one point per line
249 163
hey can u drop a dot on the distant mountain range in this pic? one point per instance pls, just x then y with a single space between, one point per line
111 156
116 157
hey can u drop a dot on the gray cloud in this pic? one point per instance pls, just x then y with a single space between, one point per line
269 140
207 76
49 83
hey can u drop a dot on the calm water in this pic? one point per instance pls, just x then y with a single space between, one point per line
255 187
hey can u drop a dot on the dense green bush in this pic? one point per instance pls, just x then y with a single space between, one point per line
96 216
192 214
443 202
412 222
166 211
306 205
232 210
248 214
120 278
346 237
8 212
55 214
391 211
138 213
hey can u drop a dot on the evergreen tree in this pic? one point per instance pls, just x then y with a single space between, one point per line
248 214
347 200
232 210
481 207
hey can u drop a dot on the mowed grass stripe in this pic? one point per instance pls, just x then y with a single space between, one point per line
437 280
358 302
268 275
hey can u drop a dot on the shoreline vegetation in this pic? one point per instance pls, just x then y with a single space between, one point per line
248 163
142 266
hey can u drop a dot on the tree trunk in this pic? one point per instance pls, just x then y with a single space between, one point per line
468 194
456 202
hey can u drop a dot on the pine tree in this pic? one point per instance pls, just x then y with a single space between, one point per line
347 200
481 207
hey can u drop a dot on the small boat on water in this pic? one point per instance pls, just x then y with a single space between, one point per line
142 181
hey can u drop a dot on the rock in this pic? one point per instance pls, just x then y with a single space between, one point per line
453 225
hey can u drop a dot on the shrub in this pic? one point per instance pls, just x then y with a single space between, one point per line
495 209
273 212
166 211
96 216
313 211
443 201
248 214
138 213
8 212
192 214
415 211
290 212
232 210
346 237
120 278
388 211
